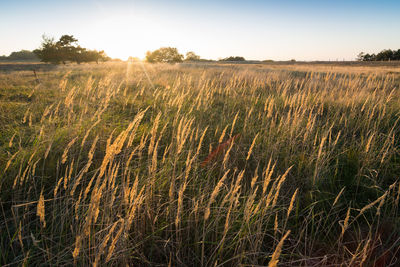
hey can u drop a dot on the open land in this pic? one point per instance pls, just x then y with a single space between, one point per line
200 164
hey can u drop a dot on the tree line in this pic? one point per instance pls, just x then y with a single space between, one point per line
23 55
384 55
66 50
171 55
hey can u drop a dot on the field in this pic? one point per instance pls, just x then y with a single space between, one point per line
200 165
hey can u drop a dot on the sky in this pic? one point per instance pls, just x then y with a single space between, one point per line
257 30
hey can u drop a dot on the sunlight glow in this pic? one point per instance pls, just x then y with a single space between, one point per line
122 37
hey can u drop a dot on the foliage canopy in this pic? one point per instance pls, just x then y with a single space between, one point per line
65 50
23 55
384 55
164 55
231 58
191 56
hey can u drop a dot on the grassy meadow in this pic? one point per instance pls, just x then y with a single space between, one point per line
200 165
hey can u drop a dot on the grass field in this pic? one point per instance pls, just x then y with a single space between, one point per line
200 165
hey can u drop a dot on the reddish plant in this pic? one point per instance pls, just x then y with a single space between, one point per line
220 148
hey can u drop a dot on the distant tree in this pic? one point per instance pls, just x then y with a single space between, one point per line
67 40
384 55
23 55
133 59
191 56
67 50
164 55
360 56
368 57
233 59
92 56
48 52
396 55
75 54
365 57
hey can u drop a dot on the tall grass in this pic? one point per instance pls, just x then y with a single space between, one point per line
200 165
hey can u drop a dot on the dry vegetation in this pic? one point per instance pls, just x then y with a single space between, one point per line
200 165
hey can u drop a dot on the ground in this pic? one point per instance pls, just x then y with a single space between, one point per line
294 164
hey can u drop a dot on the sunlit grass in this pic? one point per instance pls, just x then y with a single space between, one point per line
198 164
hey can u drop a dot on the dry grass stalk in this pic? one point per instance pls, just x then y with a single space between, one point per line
114 241
278 188
67 148
40 211
380 199
10 160
214 195
292 202
87 166
346 221
267 175
338 196
251 147
275 256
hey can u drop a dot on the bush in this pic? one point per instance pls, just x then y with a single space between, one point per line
191 56
164 55
233 59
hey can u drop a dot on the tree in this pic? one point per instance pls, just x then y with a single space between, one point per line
368 57
191 56
23 55
396 55
360 57
164 55
92 56
384 55
67 40
48 51
233 59
67 50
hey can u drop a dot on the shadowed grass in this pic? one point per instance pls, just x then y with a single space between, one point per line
200 165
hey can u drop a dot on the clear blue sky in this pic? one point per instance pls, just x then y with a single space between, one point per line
269 29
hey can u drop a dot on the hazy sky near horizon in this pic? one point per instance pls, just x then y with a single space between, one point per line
255 29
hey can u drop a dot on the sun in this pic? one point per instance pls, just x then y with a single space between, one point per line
125 36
